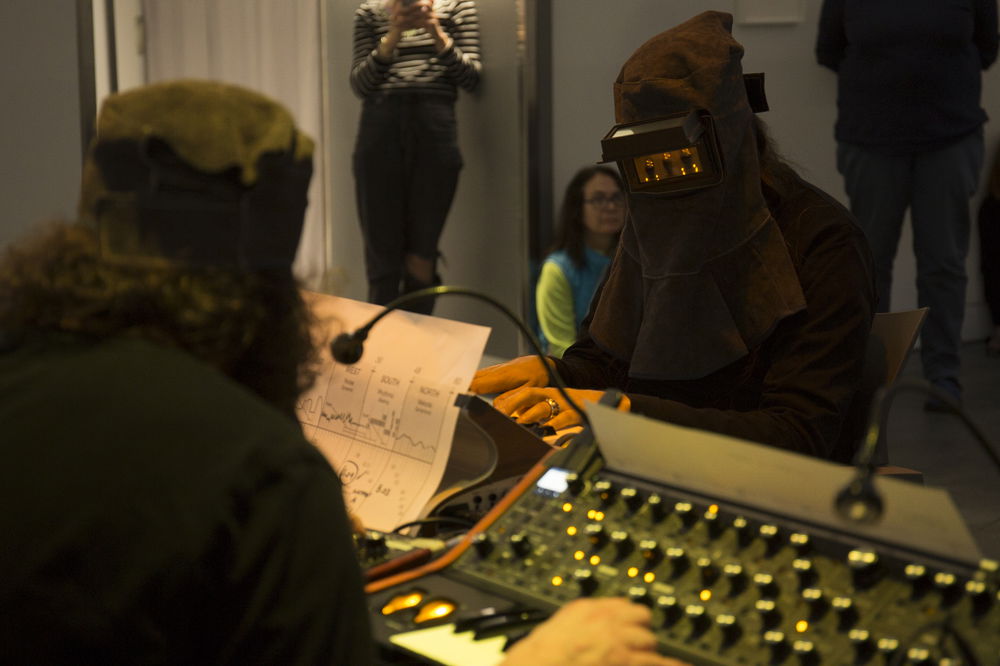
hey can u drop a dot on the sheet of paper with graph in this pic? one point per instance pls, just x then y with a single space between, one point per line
386 423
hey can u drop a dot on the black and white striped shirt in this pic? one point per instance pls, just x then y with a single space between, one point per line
417 67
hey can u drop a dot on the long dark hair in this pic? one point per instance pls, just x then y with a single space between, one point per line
252 326
569 230
776 173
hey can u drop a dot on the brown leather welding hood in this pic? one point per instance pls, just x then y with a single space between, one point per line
702 273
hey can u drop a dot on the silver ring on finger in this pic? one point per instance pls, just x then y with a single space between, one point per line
553 408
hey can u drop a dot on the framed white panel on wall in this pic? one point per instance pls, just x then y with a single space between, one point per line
770 12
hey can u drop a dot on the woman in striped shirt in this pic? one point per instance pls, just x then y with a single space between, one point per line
410 59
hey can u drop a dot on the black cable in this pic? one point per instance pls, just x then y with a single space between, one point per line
859 501
349 345
432 520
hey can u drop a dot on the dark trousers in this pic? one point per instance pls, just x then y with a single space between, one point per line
406 165
936 186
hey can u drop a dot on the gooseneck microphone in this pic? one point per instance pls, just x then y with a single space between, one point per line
859 501
348 348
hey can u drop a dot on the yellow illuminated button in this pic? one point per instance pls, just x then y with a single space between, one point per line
598 515
557 581
434 610
705 595
571 530
801 626
403 601
633 572
579 555
567 507
595 560
649 576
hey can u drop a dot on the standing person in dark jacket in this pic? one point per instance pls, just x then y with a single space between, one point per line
741 306
410 59
910 136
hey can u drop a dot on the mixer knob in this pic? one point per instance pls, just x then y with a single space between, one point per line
864 564
651 552
373 544
864 647
709 572
766 584
918 655
585 580
685 511
678 559
920 581
806 572
482 543
846 612
729 627
632 498
574 483
771 538
698 618
622 542
736 577
657 510
887 646
669 608
806 652
980 595
713 523
520 544
817 602
800 542
640 595
769 613
779 646
744 535
606 491
595 534
947 584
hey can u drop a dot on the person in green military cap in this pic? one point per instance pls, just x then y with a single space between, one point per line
161 502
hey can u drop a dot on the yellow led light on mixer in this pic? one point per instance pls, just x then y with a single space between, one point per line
403 601
434 610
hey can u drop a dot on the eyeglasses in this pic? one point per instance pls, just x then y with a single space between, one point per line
601 201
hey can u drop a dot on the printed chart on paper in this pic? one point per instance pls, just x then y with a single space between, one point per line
386 423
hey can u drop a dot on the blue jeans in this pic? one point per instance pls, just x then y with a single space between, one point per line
936 186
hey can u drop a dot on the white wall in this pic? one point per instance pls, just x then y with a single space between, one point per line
40 116
484 238
593 38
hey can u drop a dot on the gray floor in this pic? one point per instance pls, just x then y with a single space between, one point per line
943 449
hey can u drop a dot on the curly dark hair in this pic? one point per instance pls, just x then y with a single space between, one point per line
252 326
569 228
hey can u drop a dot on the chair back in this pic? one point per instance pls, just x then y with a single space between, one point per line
897 333
890 342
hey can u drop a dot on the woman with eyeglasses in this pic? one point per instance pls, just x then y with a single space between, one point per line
590 221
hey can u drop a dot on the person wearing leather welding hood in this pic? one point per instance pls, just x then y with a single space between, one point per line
741 297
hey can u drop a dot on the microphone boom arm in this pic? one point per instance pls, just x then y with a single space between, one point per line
348 346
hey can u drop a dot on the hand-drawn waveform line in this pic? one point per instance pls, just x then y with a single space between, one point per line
440 417
305 406
372 431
